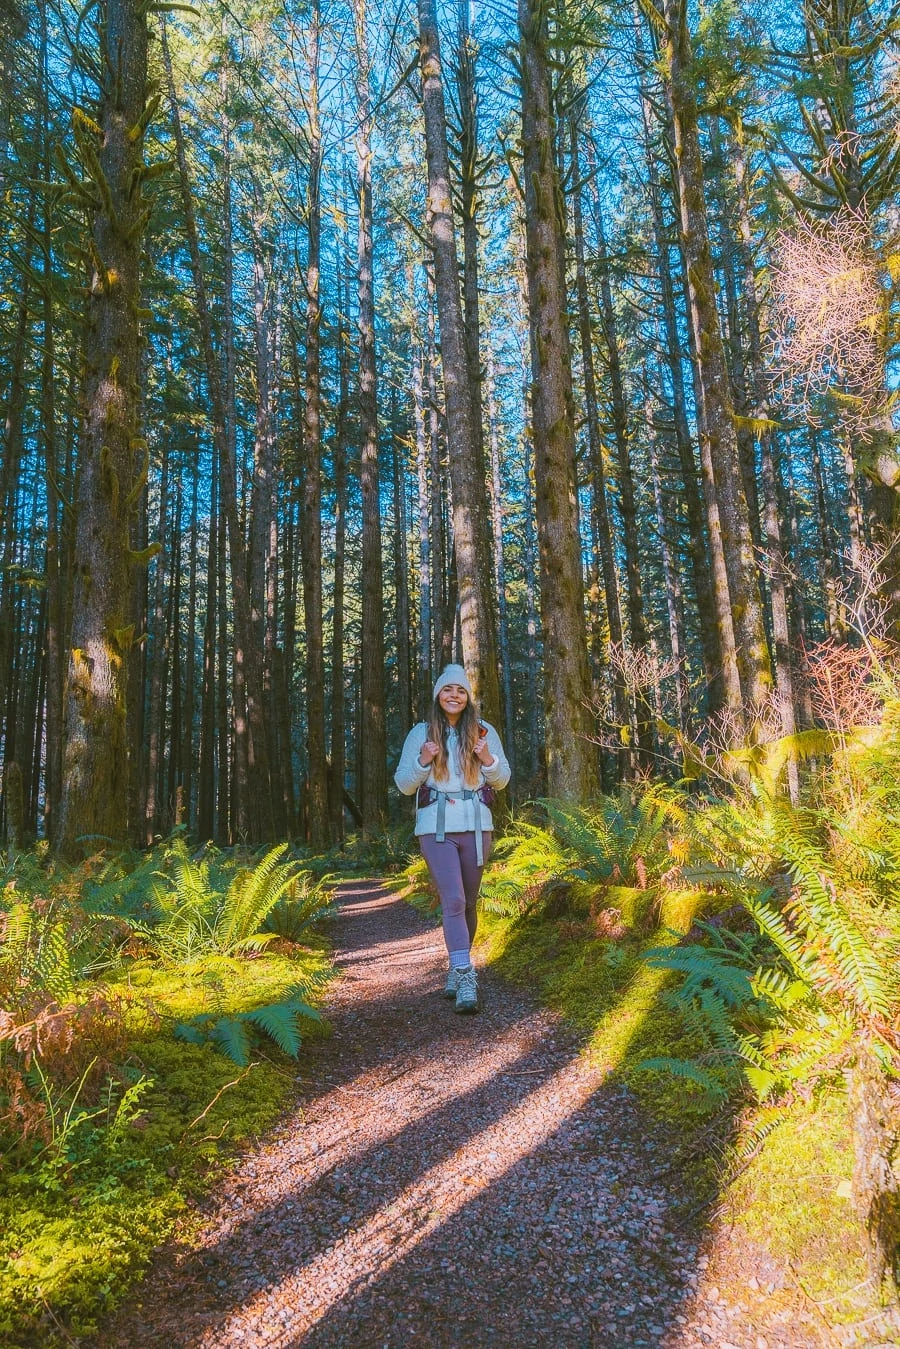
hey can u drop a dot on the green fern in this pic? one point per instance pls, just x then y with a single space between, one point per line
304 903
250 899
815 898
235 1035
231 1035
198 916
686 1070
701 966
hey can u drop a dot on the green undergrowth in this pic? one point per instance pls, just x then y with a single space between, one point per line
75 1233
606 992
794 1198
624 920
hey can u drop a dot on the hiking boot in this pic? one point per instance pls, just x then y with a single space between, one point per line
452 981
467 990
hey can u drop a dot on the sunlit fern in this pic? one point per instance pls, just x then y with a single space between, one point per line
619 839
38 950
304 903
237 1035
198 918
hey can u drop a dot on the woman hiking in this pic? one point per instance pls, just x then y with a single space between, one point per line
454 763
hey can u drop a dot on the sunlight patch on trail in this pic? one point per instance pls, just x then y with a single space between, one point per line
371 1249
403 1092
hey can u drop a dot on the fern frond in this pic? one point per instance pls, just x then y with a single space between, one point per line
279 1021
686 1071
18 932
252 896
53 963
765 1122
230 1034
701 966
826 918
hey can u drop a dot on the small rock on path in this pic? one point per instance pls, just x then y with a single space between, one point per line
443 1181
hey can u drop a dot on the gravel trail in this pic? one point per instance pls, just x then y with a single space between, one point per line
443 1181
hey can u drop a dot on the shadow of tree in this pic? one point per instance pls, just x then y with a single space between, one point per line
452 1181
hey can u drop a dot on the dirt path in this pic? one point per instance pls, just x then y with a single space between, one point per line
446 1181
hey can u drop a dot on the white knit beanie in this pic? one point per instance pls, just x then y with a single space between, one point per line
453 674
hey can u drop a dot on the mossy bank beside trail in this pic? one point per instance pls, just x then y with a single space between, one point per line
790 1198
732 964
152 1012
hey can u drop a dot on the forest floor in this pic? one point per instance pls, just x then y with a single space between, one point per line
456 1181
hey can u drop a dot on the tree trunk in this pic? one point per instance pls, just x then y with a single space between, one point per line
440 567
206 784
627 504
697 546
252 778
496 491
95 785
529 558
311 516
467 98
226 823
827 548
876 1184
338 695
157 658
757 404
263 533
599 500
470 538
371 729
426 679
672 583
752 651
739 367
401 572
190 664
571 766
9 482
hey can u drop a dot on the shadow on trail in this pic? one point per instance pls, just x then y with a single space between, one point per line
490 1187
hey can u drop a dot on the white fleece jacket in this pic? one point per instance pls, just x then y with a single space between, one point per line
460 814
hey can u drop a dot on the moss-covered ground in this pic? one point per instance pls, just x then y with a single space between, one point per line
75 1233
792 1198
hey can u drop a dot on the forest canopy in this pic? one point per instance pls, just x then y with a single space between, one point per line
339 341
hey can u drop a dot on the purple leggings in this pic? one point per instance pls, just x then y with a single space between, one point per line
457 876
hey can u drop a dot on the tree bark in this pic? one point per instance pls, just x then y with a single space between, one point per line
757 404
529 559
599 501
571 766
188 758
311 516
401 572
470 537
157 658
672 583
697 545
95 783
426 680
440 564
206 783
467 99
496 493
627 502
252 781
752 653
338 695
371 729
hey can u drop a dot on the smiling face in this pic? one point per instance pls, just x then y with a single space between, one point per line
453 699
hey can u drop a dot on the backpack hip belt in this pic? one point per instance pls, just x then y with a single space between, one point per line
467 794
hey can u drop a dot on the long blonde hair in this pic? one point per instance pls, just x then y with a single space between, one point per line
467 730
